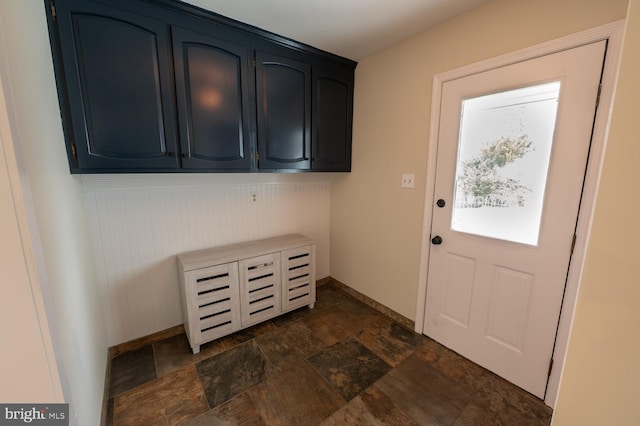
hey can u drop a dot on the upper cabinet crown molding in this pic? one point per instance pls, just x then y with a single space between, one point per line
162 86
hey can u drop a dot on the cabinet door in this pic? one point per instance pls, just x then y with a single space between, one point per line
214 103
298 277
283 90
260 288
117 73
332 120
212 302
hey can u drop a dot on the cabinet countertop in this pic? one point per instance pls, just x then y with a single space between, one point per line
233 252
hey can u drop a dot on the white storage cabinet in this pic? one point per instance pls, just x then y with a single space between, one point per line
225 289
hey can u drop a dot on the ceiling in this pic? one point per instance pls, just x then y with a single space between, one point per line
350 28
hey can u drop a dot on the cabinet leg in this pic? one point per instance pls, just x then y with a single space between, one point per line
311 305
195 349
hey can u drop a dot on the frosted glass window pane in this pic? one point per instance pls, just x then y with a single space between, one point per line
503 160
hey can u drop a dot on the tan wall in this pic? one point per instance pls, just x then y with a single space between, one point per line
28 367
375 225
75 312
601 380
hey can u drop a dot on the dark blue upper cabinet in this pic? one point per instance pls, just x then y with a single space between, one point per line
164 86
214 104
284 112
118 80
332 119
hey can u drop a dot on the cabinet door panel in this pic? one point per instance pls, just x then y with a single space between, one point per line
260 285
284 112
213 92
298 277
333 100
211 302
117 76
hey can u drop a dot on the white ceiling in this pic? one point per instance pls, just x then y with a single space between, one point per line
350 28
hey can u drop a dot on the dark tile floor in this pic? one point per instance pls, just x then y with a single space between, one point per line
342 363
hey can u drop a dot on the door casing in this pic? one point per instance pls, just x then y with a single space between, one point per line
613 33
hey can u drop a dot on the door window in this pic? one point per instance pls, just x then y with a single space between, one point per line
503 159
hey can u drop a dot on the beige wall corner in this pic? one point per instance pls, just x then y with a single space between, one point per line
376 225
55 207
601 378
28 369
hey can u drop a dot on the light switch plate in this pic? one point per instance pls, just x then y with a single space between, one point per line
407 180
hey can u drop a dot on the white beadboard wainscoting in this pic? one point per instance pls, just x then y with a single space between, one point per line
140 222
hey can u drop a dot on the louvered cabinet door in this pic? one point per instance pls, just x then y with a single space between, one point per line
260 288
214 299
298 277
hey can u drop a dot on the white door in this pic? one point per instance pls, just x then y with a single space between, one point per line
512 151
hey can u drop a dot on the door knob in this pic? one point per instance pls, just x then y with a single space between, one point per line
440 203
437 240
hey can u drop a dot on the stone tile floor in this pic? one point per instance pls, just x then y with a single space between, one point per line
342 363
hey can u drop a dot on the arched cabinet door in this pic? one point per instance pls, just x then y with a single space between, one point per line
283 92
159 86
332 120
116 65
214 102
